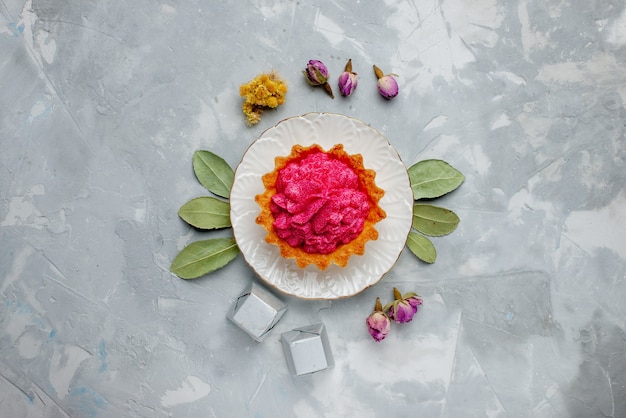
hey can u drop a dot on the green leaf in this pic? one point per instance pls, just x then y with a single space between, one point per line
433 220
202 257
206 213
213 173
433 178
421 247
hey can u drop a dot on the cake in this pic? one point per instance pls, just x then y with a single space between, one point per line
320 207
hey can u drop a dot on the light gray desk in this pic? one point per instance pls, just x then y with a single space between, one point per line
102 105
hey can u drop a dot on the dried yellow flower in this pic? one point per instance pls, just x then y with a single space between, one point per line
266 90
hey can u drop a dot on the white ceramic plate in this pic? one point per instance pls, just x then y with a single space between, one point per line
326 130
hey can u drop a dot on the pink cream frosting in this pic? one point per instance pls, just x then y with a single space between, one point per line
318 204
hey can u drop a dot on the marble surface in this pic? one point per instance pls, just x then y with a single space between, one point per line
103 104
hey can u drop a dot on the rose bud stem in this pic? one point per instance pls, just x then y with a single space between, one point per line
378 72
378 306
348 67
328 90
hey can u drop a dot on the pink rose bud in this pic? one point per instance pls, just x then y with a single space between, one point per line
378 323
404 307
347 80
387 84
316 74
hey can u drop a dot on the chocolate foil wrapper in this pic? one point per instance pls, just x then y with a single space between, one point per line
257 311
307 349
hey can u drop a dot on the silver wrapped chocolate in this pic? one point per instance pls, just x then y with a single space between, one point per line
307 349
257 311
